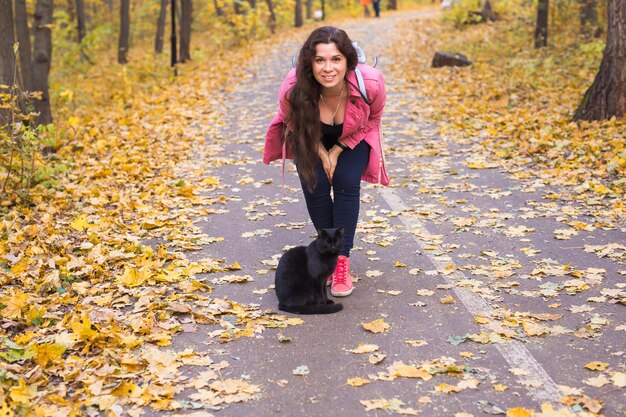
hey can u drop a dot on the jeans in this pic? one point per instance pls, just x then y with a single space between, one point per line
343 208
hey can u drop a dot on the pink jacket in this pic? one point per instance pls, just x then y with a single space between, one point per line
361 122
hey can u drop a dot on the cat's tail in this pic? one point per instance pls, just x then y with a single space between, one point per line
312 309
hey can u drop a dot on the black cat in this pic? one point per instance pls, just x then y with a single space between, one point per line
302 272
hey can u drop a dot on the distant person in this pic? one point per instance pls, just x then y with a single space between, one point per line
366 7
376 4
324 123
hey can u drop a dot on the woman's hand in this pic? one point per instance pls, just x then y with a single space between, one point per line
325 159
333 156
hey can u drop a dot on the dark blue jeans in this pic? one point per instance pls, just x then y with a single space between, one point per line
343 208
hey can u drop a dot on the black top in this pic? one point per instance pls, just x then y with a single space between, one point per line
331 134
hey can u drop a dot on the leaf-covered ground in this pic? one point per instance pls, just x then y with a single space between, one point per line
161 238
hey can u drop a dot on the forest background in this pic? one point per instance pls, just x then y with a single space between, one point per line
124 127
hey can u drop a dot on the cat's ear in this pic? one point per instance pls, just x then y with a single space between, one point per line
340 231
321 233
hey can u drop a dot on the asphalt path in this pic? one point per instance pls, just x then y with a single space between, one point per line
419 268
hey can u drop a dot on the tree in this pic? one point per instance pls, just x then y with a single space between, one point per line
160 32
7 57
392 5
42 59
607 95
123 41
23 38
541 28
185 30
270 7
80 19
487 12
218 9
309 9
588 15
299 21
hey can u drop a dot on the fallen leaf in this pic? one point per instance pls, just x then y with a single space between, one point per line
597 366
376 358
301 370
358 382
519 412
364 348
376 326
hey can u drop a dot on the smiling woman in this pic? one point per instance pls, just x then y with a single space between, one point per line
333 134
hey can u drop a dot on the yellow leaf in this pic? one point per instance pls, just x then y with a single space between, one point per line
22 393
14 302
358 382
399 265
211 181
447 388
5 410
73 121
500 387
597 366
380 404
534 329
481 320
82 329
376 326
410 371
79 224
518 412
416 342
133 277
67 94
127 389
364 348
34 313
447 300
48 352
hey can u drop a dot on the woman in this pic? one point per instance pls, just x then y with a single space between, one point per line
333 134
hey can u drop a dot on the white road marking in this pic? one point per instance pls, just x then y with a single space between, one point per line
514 352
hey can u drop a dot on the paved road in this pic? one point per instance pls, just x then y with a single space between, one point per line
423 266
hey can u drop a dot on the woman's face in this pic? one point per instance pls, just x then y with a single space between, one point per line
329 67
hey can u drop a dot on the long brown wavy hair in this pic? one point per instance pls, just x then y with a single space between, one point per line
303 99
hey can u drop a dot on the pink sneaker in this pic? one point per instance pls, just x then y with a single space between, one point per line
342 281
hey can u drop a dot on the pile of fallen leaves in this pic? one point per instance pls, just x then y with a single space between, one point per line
95 281
517 102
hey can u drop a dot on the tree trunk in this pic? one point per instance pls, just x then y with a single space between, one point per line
23 37
7 58
42 58
299 21
252 4
80 19
185 30
309 9
237 7
588 15
218 10
392 5
541 30
160 30
270 7
123 41
607 95
487 12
